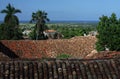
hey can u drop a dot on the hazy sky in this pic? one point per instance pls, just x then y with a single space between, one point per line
64 9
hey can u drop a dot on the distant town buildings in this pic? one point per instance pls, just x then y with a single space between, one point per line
52 34
92 33
26 32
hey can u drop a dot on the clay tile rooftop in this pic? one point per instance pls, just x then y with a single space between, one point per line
104 54
60 69
31 59
77 47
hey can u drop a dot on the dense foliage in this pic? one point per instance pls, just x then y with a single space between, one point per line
10 28
9 33
108 33
69 31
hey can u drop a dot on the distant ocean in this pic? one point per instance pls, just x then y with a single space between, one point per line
73 22
66 22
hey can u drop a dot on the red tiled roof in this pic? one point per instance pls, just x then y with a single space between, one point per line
60 69
50 31
23 48
104 54
77 47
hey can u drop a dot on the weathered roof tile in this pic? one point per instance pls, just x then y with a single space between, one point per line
77 47
104 54
61 69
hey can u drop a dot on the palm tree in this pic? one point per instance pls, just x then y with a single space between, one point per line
40 18
11 23
10 17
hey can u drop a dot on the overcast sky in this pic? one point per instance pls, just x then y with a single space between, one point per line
64 9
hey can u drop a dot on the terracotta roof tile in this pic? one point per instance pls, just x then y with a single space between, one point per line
104 54
60 69
23 49
76 47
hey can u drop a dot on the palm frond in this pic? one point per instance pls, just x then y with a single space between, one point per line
10 14
17 11
4 11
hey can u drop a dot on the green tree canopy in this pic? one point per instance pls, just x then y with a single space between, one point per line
108 33
8 33
9 29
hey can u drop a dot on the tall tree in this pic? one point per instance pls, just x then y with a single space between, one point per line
108 33
40 18
10 17
11 22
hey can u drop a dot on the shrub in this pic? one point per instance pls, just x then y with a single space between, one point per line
62 56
